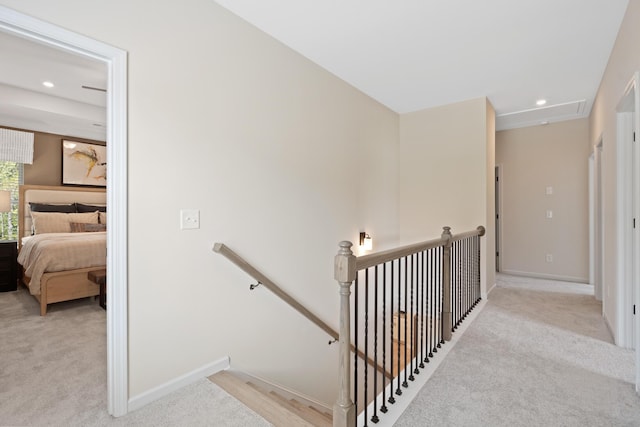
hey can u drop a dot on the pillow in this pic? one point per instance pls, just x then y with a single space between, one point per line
103 218
89 208
44 207
57 222
79 227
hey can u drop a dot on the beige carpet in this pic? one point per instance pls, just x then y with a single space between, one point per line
53 373
539 354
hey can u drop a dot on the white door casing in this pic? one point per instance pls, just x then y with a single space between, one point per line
628 217
115 60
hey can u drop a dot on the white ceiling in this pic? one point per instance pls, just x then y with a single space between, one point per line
415 54
408 55
66 109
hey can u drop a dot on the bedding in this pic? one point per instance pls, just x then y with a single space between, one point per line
54 252
46 207
81 207
58 222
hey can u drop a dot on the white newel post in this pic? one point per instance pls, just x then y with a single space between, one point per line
345 274
447 318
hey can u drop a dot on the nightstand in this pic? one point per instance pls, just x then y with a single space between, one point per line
8 266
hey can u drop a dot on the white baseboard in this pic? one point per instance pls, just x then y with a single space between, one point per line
486 296
582 280
610 329
162 390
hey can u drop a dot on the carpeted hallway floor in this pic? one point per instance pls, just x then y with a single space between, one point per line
539 354
53 372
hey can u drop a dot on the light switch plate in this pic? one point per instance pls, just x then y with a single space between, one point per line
549 191
189 219
549 214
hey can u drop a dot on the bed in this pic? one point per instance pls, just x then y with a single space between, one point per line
50 278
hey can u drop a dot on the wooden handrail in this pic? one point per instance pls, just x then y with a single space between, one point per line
377 258
222 249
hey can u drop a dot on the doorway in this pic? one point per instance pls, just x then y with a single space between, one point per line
597 219
498 201
628 216
115 60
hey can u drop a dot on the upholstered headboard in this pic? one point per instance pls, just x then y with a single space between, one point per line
54 195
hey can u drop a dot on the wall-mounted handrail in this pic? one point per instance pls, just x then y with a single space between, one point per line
224 250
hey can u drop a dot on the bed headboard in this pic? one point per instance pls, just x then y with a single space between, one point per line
53 195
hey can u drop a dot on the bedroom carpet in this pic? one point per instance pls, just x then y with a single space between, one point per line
53 373
539 354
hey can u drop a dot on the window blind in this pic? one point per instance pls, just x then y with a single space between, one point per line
16 146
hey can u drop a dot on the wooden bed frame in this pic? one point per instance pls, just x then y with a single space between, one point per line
63 285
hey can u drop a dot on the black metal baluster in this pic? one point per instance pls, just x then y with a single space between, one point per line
469 275
374 417
405 384
478 296
422 309
412 324
456 284
365 403
459 286
398 389
383 408
440 302
432 302
461 279
392 399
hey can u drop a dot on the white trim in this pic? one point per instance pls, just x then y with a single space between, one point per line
627 113
116 62
410 393
169 387
582 280
486 296
591 161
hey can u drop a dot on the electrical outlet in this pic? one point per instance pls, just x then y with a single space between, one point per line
189 219
549 258
549 191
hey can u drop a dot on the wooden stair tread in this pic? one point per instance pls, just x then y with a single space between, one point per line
258 401
326 415
307 412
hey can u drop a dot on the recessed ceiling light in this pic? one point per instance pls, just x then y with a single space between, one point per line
541 102
545 122
48 84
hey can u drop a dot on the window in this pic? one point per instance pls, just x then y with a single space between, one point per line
11 176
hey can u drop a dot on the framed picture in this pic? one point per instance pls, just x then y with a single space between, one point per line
84 164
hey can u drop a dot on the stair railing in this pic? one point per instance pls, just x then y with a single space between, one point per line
262 279
413 298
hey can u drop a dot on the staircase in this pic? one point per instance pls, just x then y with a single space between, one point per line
272 406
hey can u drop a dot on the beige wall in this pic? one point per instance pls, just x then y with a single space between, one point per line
532 159
283 160
623 63
445 155
47 158
269 147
